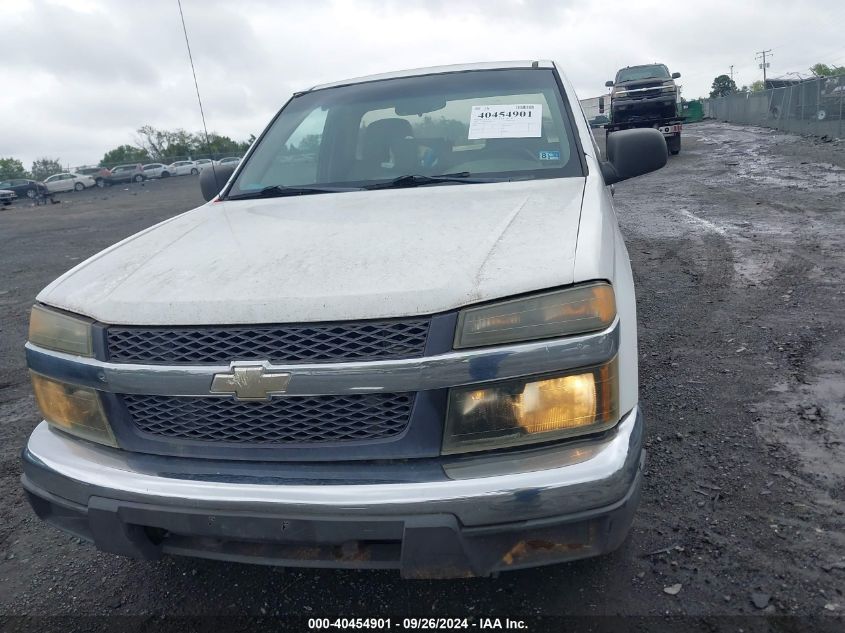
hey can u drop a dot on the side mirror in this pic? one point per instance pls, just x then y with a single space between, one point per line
608 84
213 178
676 75
633 153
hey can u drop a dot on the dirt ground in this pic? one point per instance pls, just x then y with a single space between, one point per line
737 249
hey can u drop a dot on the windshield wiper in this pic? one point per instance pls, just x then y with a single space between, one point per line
409 180
279 191
416 180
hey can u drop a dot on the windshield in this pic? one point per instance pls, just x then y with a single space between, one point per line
489 125
656 71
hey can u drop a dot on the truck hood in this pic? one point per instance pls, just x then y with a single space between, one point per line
652 82
326 257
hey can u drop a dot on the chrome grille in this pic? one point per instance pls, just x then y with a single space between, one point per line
645 94
343 341
294 420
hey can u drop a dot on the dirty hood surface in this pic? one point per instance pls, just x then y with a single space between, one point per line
326 257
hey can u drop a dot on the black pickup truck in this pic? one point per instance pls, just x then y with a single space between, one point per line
643 91
646 96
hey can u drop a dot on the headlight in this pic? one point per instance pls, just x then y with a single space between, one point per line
60 332
561 313
620 93
71 408
527 411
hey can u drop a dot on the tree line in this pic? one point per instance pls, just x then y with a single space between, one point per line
41 168
150 145
165 146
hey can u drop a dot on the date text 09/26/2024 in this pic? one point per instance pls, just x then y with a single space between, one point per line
387 624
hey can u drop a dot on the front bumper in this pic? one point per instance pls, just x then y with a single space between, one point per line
483 514
643 107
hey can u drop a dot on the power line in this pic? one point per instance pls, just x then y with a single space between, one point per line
196 85
765 64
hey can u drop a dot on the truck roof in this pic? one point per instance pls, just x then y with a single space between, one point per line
644 65
434 70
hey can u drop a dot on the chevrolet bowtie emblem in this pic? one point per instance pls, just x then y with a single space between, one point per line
251 382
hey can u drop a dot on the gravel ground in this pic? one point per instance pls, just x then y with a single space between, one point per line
737 249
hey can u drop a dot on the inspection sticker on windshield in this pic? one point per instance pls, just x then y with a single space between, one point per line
506 121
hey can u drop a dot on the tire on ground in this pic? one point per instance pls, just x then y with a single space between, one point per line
674 144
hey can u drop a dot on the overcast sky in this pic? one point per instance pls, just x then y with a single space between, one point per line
79 76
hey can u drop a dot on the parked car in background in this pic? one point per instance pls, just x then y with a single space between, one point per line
68 182
25 187
157 170
99 174
7 197
229 160
202 163
183 168
126 173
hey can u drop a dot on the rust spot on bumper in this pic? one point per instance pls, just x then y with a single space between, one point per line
353 551
529 548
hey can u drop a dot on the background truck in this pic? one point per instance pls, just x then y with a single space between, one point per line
646 96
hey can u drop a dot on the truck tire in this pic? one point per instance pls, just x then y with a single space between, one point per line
674 145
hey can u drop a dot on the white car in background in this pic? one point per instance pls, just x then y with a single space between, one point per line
202 163
229 160
67 182
183 168
157 170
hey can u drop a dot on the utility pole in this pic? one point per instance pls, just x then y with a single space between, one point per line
764 65
732 72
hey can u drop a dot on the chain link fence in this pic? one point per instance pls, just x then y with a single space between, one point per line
815 106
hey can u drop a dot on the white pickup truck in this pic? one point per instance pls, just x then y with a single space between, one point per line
401 334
